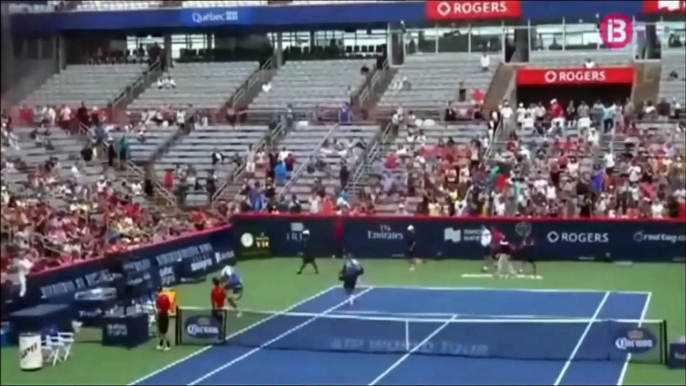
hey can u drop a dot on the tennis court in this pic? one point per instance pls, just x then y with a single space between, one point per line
426 335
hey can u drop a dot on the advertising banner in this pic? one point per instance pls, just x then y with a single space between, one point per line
216 17
677 355
162 264
259 17
652 7
285 233
337 15
436 237
472 10
575 76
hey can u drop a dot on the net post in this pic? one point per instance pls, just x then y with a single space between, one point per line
407 335
664 354
178 325
225 317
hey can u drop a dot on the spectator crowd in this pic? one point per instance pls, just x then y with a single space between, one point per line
549 159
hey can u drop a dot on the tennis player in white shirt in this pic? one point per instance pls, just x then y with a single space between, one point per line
23 266
505 268
485 241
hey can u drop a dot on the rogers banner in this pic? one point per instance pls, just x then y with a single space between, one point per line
663 6
472 10
574 76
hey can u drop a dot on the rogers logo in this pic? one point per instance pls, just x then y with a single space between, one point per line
443 8
472 10
575 76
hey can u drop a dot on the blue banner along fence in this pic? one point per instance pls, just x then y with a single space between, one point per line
160 264
386 237
366 237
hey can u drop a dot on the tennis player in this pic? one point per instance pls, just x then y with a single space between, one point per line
349 275
411 244
524 254
233 287
486 239
308 257
163 305
505 268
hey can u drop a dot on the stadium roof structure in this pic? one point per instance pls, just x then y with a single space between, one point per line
343 15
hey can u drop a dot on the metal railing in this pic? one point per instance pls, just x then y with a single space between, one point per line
167 144
165 194
237 173
257 76
368 92
136 170
374 147
303 166
141 81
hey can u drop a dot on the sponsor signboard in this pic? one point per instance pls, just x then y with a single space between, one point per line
159 264
472 10
437 237
575 76
664 6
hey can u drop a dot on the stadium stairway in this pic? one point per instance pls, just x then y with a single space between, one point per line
245 95
163 201
378 86
231 187
499 86
647 84
134 90
377 149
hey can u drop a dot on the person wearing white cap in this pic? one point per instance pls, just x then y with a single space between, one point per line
308 257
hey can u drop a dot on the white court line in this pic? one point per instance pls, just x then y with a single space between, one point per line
285 334
407 355
447 315
620 381
191 355
581 339
570 290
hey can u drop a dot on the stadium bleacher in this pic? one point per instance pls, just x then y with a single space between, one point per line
94 85
577 58
673 89
434 79
203 85
307 84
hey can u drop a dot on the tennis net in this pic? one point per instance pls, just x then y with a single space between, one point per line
521 339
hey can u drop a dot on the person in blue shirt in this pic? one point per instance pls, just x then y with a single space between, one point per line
281 173
308 257
233 285
349 275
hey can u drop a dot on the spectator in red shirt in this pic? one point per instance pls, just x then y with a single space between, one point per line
26 115
217 295
169 179
477 97
163 307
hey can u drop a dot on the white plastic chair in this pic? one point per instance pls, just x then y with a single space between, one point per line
65 342
50 347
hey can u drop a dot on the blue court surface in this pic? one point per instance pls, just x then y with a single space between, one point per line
426 336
